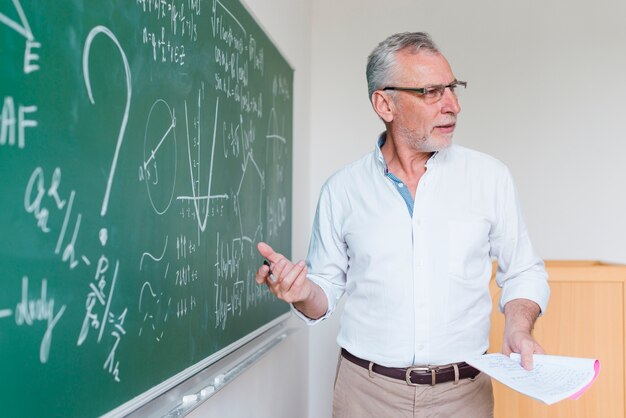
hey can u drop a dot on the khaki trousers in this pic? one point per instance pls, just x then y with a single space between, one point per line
357 395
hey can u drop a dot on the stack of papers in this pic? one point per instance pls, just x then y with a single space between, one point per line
553 378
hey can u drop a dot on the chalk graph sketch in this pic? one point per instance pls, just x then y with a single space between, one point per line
158 170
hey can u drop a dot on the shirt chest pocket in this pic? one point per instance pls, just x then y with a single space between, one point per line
468 247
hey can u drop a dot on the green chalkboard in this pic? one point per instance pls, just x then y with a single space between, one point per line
145 148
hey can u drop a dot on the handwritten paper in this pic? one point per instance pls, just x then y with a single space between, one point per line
553 378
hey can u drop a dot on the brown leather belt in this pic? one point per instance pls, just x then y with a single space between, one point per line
423 375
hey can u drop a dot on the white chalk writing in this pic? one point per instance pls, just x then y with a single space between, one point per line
28 311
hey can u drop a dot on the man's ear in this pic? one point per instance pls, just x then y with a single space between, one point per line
383 105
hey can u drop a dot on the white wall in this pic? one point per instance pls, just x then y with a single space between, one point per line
277 386
546 95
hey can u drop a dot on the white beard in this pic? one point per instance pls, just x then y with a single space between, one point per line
428 143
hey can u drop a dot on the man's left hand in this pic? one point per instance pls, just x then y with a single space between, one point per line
520 316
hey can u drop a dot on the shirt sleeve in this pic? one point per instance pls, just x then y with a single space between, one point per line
521 273
327 260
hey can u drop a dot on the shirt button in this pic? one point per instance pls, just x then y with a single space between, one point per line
419 347
400 185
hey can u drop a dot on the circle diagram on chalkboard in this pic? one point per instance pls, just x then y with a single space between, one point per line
159 156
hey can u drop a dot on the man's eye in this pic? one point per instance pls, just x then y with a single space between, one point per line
432 92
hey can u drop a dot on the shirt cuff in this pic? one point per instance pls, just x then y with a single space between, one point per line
305 318
535 289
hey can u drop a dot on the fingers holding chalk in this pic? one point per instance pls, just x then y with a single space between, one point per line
271 275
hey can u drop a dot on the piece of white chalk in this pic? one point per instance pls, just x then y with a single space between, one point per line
218 379
207 391
190 398
272 277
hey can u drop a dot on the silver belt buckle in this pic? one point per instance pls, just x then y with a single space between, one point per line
409 370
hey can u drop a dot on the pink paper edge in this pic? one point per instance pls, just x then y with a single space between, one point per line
596 368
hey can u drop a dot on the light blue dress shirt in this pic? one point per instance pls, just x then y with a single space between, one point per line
416 281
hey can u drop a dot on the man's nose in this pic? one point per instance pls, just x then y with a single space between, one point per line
450 103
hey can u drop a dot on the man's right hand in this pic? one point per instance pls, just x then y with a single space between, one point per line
290 283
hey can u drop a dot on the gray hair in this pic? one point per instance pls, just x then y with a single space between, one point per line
381 62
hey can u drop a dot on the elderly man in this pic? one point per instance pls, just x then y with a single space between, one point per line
408 233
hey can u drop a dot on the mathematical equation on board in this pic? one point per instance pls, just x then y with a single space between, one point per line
185 144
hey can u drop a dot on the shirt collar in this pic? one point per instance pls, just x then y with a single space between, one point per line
380 159
435 159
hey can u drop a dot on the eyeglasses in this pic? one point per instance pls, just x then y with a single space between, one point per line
433 94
